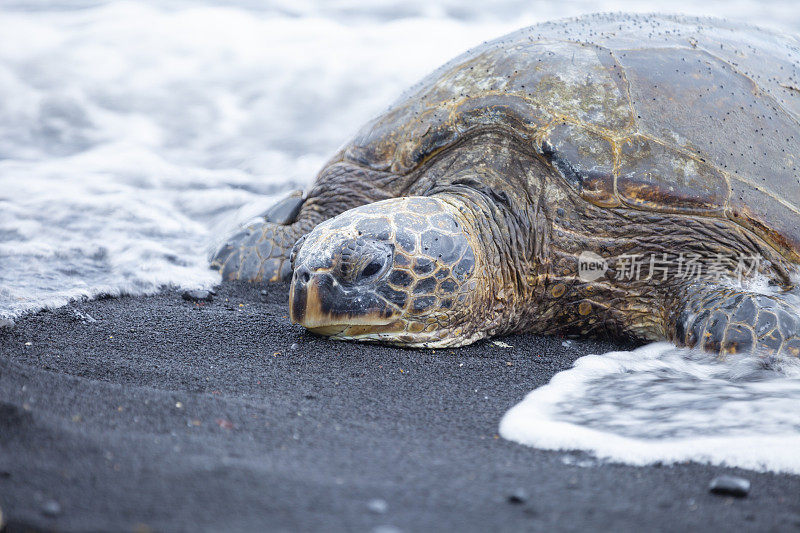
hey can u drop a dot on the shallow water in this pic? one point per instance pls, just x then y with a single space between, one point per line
663 404
132 134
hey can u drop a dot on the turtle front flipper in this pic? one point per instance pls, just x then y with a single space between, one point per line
260 251
730 321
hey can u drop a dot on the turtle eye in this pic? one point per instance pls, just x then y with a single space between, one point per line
371 269
361 261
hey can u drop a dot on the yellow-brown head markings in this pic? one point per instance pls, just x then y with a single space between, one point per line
398 271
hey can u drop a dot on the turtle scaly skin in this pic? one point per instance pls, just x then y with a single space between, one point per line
729 321
410 256
665 140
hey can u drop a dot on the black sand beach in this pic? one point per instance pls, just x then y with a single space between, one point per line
160 414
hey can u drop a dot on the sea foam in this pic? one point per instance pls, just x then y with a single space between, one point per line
665 404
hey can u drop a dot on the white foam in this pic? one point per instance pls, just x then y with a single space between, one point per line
663 404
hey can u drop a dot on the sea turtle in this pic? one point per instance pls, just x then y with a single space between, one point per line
626 175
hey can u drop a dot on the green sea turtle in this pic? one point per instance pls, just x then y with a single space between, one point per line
619 175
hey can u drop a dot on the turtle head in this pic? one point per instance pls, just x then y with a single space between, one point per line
401 271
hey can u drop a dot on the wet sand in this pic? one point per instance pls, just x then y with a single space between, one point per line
159 413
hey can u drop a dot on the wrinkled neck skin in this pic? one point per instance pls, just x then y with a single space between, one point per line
491 187
498 294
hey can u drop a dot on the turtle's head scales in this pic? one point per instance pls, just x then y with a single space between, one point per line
399 271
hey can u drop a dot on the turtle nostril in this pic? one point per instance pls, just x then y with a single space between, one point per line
302 274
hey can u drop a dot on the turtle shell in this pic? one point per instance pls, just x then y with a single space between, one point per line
694 116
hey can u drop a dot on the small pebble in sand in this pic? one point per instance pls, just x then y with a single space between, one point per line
729 486
6 323
225 424
51 508
198 296
86 318
378 506
294 346
517 497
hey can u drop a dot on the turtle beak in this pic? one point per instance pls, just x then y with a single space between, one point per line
317 301
305 302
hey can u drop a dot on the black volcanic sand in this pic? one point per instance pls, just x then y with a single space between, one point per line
158 413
